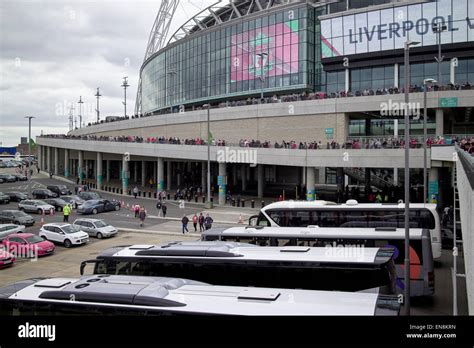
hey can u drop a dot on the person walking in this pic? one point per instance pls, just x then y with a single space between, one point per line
142 216
208 222
185 221
77 180
159 205
136 209
201 222
163 209
66 212
195 222
135 192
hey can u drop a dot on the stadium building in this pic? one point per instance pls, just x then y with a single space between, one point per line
314 88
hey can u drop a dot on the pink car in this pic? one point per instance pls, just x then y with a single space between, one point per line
28 245
6 259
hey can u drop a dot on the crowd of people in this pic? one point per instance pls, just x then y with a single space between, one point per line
292 98
351 143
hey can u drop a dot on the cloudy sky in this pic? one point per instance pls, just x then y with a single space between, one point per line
53 51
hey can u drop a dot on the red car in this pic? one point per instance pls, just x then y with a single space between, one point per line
6 259
28 245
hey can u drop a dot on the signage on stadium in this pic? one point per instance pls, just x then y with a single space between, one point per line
388 29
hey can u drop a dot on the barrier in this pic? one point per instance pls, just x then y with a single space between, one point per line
195 199
149 194
233 202
263 204
204 199
243 203
253 203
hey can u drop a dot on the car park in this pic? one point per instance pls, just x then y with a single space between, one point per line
44 193
8 229
16 217
28 245
64 233
89 195
74 200
20 177
7 178
59 189
57 203
35 206
6 259
16 196
98 206
96 228
4 199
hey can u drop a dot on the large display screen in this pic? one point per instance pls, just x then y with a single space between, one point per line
388 29
265 52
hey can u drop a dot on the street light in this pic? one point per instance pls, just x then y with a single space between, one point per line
408 44
426 83
263 58
80 102
125 85
438 28
209 203
98 95
28 173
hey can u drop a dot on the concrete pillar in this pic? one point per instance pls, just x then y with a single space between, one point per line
56 161
260 180
234 175
40 155
160 180
99 171
395 176
395 135
125 176
48 159
204 177
94 169
243 174
310 184
66 163
154 172
433 185
120 170
135 171
221 181
178 166
439 122
143 173
322 175
80 165
168 175
107 171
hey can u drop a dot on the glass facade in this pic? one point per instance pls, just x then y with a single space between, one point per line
272 52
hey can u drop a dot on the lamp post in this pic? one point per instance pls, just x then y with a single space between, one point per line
28 173
125 85
98 95
263 58
80 102
438 28
426 83
407 175
209 203
170 73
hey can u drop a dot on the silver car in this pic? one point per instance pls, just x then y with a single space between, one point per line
7 229
35 206
96 227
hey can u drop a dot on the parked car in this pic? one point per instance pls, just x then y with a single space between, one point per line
16 196
16 217
20 177
95 206
44 193
1 181
5 199
35 206
7 178
74 200
89 195
59 189
64 233
6 259
28 245
7 229
96 227
57 203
